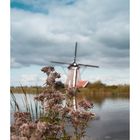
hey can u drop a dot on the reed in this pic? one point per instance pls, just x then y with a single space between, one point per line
33 107
13 101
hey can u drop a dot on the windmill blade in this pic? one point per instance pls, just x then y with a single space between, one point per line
75 54
86 65
60 62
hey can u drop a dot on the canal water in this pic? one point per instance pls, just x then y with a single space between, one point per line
111 123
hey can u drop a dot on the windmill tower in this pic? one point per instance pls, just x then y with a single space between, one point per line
74 74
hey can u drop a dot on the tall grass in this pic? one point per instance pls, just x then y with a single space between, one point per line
27 105
15 106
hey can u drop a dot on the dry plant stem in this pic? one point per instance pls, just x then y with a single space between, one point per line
52 124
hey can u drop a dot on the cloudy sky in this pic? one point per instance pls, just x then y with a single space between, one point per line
45 30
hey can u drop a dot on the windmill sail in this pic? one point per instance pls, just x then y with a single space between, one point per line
75 53
73 76
87 65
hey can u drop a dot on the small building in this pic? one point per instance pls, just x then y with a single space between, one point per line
81 84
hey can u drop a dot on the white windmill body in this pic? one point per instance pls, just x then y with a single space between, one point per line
73 77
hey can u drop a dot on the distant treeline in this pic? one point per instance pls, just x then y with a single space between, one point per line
98 86
99 91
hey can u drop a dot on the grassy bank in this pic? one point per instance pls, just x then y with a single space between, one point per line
29 90
99 92
108 90
93 90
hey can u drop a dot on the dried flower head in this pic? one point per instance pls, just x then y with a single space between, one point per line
85 104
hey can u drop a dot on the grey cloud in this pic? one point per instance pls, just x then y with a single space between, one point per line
101 29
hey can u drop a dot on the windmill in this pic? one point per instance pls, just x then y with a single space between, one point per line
74 73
